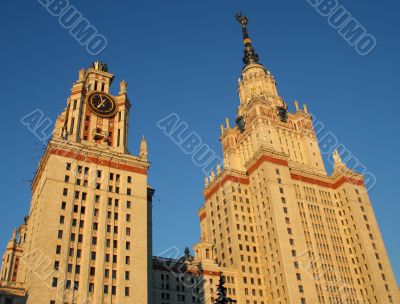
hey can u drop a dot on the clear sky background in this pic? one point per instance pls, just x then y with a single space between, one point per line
185 57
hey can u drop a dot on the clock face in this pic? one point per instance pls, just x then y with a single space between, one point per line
102 104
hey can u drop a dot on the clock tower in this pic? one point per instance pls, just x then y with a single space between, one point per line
92 115
88 235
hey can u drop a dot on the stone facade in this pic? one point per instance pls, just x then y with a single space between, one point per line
293 233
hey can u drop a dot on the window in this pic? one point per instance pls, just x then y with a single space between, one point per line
60 234
127 275
128 204
68 167
62 218
105 289
127 291
65 192
56 265
63 205
54 282
129 179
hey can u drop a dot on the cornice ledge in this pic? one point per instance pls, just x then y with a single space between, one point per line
262 151
346 173
221 176
311 174
108 155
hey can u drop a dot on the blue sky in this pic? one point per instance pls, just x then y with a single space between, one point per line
185 57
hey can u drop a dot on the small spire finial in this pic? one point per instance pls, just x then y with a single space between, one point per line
336 157
143 149
250 55
122 87
296 104
81 75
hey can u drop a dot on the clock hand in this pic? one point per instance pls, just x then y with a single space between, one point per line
102 102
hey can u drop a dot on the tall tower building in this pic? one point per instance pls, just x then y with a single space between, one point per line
293 233
88 236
